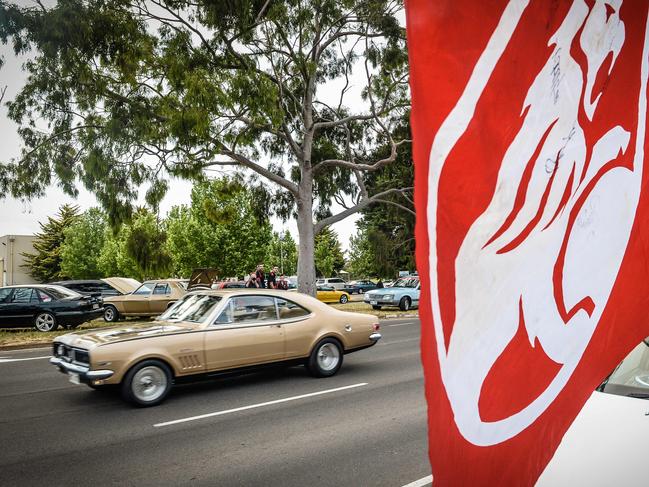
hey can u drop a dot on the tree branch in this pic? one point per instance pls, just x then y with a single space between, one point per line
325 222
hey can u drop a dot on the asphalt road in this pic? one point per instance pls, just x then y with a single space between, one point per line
365 427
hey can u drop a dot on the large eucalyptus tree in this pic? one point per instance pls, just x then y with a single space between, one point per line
123 93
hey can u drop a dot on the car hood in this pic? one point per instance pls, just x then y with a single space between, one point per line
124 285
607 444
92 338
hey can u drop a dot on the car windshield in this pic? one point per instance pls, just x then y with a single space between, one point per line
406 283
194 307
631 377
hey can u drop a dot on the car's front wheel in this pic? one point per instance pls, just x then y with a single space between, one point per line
360 290
343 299
405 303
110 313
45 322
147 383
326 358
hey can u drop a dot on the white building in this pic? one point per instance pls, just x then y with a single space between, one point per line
11 260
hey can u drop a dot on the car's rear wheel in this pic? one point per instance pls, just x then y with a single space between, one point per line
45 322
360 290
110 313
147 383
404 304
374 306
326 358
344 299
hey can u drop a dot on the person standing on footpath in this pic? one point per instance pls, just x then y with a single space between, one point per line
272 278
379 284
261 277
252 281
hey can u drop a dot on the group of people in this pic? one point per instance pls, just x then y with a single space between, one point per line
273 280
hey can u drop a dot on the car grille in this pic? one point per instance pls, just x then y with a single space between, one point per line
70 354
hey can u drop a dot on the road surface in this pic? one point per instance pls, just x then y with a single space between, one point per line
366 426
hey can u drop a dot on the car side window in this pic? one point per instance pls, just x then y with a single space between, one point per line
44 297
22 295
253 309
162 289
288 309
145 288
4 294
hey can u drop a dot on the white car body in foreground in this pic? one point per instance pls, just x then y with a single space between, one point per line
608 443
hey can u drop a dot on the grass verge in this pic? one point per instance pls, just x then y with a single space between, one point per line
360 307
16 338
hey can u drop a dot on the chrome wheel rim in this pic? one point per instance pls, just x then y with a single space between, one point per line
406 305
343 299
149 383
45 322
328 356
109 314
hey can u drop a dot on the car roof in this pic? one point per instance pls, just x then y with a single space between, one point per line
303 299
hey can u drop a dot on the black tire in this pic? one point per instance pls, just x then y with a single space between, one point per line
135 388
111 315
405 303
343 299
326 358
360 290
374 306
45 321
171 304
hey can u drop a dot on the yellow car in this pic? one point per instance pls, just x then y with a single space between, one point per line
328 294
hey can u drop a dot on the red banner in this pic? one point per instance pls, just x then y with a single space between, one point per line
528 122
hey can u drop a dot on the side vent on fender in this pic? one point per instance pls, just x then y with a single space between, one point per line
189 362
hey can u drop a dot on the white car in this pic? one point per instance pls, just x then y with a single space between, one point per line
336 282
608 443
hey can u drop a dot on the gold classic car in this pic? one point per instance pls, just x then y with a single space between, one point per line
150 299
329 294
208 333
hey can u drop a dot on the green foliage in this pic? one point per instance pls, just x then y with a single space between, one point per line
328 254
387 232
45 264
145 243
218 230
282 252
84 240
113 259
362 262
132 92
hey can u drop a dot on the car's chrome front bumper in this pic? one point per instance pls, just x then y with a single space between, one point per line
85 374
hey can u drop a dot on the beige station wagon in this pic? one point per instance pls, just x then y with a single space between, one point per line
208 333
150 299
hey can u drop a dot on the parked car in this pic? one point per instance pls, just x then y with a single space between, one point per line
46 306
611 430
328 294
230 285
208 333
150 299
110 286
360 286
335 282
404 293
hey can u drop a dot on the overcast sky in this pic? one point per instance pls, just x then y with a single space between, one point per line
22 217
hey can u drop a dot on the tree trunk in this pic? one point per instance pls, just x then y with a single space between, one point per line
305 263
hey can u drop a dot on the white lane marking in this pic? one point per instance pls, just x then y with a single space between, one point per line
259 405
398 341
25 350
4 360
404 324
421 482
